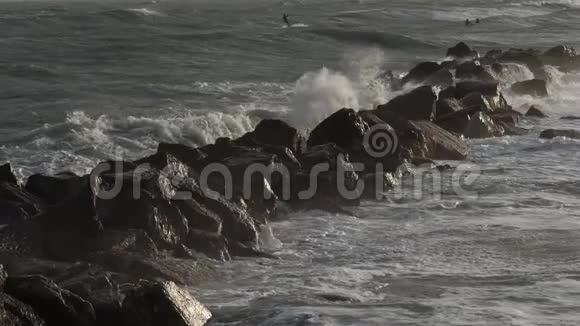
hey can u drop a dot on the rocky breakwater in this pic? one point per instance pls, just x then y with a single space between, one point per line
116 245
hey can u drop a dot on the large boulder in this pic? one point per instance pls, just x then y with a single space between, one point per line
473 70
426 139
421 72
535 112
553 133
6 174
419 104
482 126
344 128
562 56
17 313
275 133
489 104
163 303
482 87
190 156
529 57
53 304
533 87
55 189
461 50
429 73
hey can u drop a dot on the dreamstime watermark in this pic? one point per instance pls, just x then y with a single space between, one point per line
333 175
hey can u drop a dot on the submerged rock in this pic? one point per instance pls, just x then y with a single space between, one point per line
533 111
570 117
533 87
419 104
163 303
553 133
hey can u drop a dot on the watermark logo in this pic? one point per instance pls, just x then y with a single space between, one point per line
380 141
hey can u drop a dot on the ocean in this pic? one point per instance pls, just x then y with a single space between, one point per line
86 81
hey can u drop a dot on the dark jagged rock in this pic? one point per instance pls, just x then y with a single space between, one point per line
461 50
163 303
428 140
55 189
472 70
192 157
419 104
533 111
447 106
275 133
134 267
351 126
488 104
482 126
456 121
101 291
534 87
55 305
17 204
6 174
421 72
553 133
17 313
429 73
447 93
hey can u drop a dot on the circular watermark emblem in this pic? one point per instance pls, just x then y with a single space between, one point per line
380 141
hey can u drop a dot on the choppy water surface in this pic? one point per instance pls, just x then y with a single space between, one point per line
86 81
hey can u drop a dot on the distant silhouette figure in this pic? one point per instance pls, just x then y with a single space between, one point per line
477 21
467 22
285 18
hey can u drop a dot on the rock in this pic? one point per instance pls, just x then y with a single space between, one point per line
511 117
533 87
428 140
562 56
163 303
6 174
569 117
421 72
276 133
553 133
101 291
429 73
53 304
482 126
484 88
488 104
192 157
16 313
456 121
472 70
530 58
535 112
16 204
55 189
351 126
419 104
3 276
447 93
461 50
447 106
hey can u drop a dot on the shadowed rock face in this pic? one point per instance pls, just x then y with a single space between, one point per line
533 111
429 73
482 126
419 104
6 174
17 313
344 128
53 304
163 303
